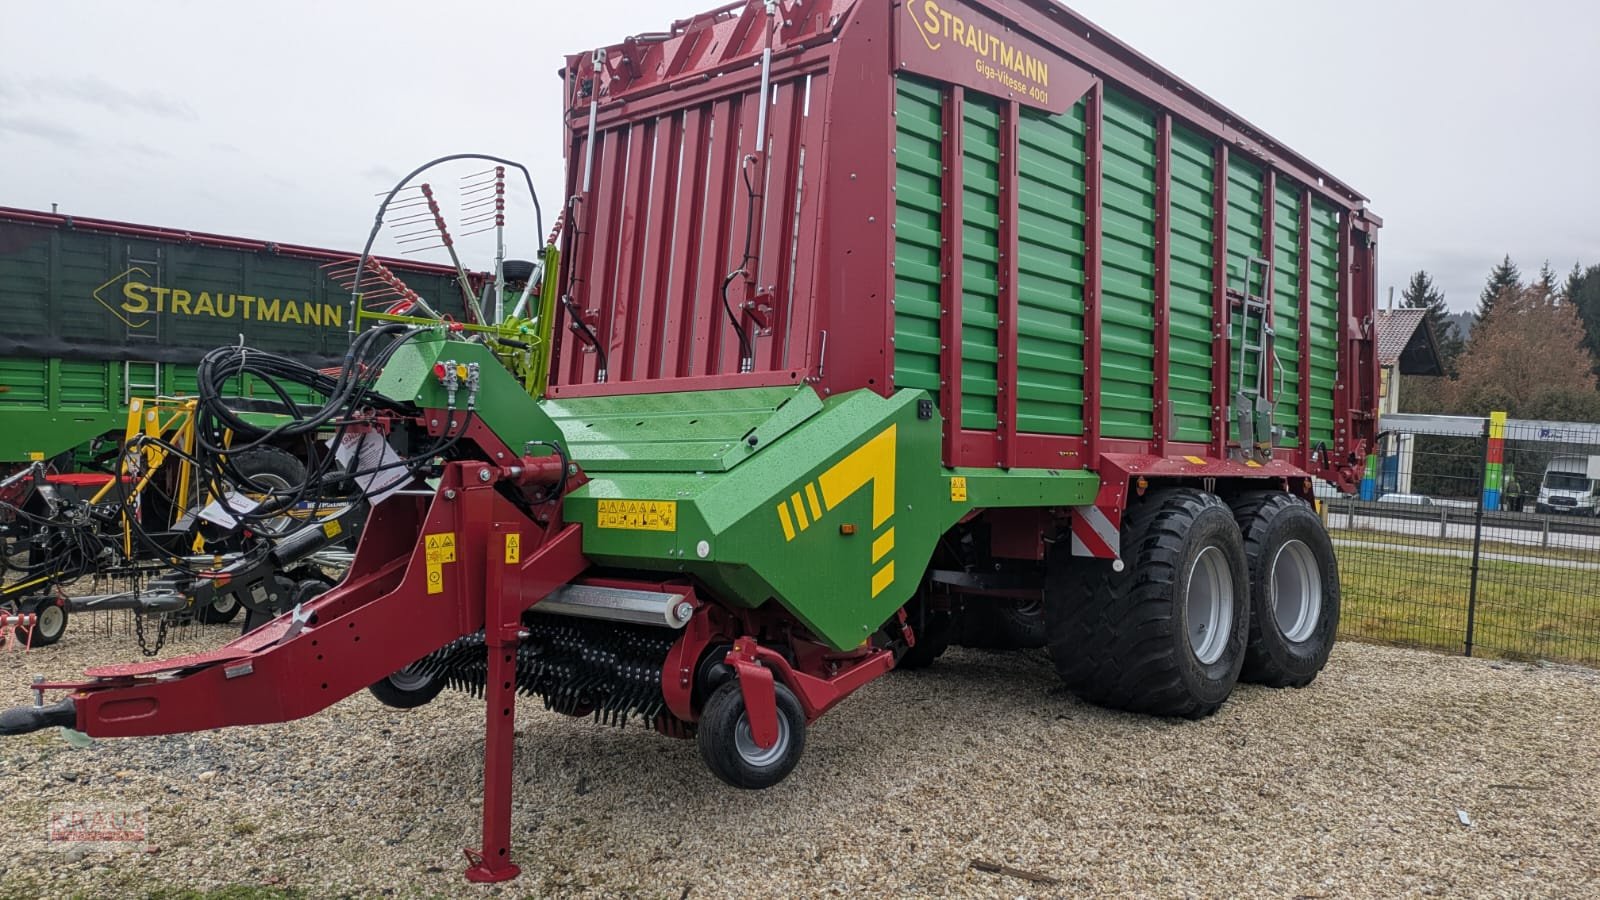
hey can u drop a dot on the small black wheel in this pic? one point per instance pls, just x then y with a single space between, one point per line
255 473
51 624
1294 589
219 611
407 689
268 469
1003 624
731 752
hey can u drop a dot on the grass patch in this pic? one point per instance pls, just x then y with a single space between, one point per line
1524 610
1404 540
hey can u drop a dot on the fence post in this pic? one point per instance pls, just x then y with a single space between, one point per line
1489 442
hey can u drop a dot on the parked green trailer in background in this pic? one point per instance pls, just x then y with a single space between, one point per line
94 313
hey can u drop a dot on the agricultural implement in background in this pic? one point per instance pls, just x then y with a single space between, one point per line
168 536
875 314
155 519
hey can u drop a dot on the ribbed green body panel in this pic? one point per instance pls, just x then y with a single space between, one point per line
1050 250
918 207
1286 308
1192 291
1128 269
1052 273
1324 264
980 269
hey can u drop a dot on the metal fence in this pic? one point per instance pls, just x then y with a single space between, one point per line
1484 543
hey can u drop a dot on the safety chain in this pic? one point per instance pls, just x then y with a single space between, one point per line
161 634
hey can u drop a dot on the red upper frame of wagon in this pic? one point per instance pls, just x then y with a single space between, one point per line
660 210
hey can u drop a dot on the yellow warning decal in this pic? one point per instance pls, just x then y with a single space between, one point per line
35 456
958 489
331 528
1195 460
441 547
513 549
639 515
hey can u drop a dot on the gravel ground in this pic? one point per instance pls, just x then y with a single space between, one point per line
1356 785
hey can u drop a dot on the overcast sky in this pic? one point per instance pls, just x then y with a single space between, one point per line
1473 126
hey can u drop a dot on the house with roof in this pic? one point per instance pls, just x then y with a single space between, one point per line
1406 347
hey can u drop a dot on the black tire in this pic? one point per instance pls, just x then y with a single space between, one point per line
933 629
997 624
219 611
1123 639
255 471
276 469
729 752
50 626
407 690
1294 589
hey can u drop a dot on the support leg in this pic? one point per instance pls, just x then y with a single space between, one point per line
493 862
501 629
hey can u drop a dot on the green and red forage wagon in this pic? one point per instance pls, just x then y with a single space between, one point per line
874 316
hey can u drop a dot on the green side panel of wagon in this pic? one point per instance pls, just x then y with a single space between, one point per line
1192 290
919 182
1050 271
1128 268
1286 265
980 263
1324 264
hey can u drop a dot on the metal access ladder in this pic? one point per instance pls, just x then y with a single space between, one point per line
1253 405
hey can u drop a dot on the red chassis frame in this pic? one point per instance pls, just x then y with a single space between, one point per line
401 600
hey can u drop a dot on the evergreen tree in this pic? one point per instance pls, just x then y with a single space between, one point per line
1546 285
1504 277
1583 293
1422 293
1569 291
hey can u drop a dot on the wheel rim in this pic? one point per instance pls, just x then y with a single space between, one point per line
1210 605
409 681
754 754
1296 591
273 483
225 605
52 620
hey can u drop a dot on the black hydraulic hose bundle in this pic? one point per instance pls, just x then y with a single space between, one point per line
223 433
747 353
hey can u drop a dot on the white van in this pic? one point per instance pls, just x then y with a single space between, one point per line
1569 486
